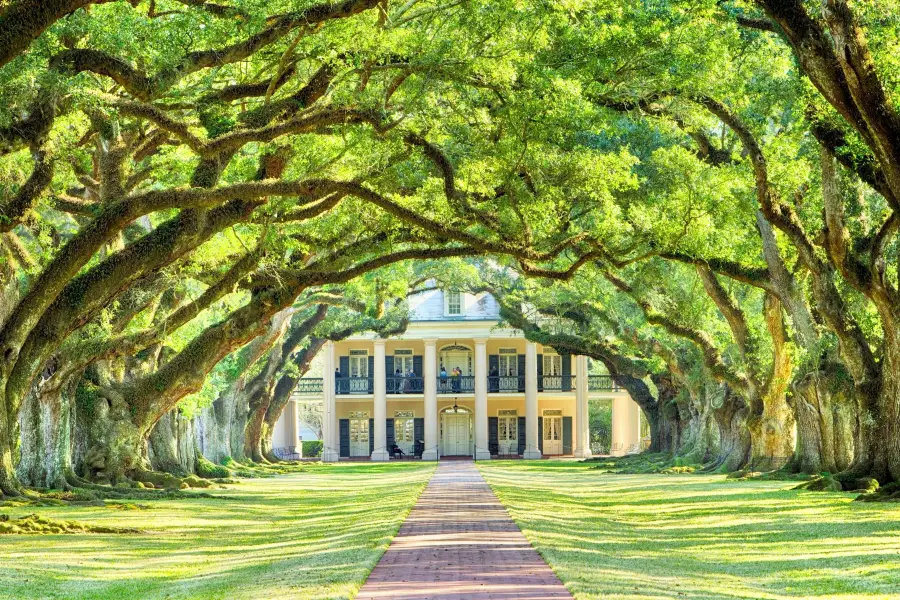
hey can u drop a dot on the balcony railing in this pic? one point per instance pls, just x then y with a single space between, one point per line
556 383
309 385
602 383
461 384
353 385
457 385
506 383
405 385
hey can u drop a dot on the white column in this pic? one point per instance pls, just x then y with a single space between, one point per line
482 452
626 425
379 414
634 427
531 402
429 373
331 443
582 415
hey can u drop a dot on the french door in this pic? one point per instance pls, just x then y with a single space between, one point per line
509 372
553 443
508 434
404 430
359 437
456 435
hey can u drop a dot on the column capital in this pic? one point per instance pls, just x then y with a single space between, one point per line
481 341
379 341
430 341
329 344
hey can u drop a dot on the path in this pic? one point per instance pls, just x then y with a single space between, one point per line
460 543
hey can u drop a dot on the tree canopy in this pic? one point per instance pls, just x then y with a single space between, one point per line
703 196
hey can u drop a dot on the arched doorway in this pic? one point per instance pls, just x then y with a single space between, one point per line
456 355
456 431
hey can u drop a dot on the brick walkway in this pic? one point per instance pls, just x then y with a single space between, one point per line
459 543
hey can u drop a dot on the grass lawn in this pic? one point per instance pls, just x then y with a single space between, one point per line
696 536
314 534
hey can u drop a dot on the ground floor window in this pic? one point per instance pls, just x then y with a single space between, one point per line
553 432
404 431
508 431
359 433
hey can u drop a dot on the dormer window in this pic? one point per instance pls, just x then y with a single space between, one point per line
454 303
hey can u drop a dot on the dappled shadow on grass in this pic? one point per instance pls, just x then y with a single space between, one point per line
312 534
690 536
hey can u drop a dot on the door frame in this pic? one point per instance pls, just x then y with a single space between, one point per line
460 411
508 446
551 447
355 446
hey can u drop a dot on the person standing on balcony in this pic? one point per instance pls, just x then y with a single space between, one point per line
337 381
455 383
443 377
494 379
399 385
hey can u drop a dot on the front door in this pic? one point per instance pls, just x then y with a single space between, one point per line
552 434
359 437
508 434
456 435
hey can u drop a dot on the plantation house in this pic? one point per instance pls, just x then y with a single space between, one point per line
456 384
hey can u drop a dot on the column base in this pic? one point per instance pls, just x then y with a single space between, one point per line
583 454
330 456
482 455
532 454
618 453
430 455
380 456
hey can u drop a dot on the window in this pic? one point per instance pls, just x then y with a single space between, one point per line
507 427
454 302
509 362
359 363
403 360
404 426
552 365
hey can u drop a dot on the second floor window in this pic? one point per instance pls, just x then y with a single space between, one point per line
454 302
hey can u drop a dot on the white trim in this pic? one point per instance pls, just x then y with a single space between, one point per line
466 410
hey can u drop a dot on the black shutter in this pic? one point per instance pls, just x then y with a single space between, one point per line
493 441
540 372
345 437
521 372
417 365
343 383
391 384
541 434
522 436
371 373
389 434
371 436
567 372
494 367
419 435
567 435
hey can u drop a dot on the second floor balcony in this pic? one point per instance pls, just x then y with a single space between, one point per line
460 384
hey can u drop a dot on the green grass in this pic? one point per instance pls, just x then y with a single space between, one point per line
314 534
696 536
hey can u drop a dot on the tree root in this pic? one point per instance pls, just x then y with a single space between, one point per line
36 524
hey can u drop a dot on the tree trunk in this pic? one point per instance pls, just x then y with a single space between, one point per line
113 446
46 436
734 435
172 445
826 418
253 433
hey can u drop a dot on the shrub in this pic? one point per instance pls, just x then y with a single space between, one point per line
312 448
